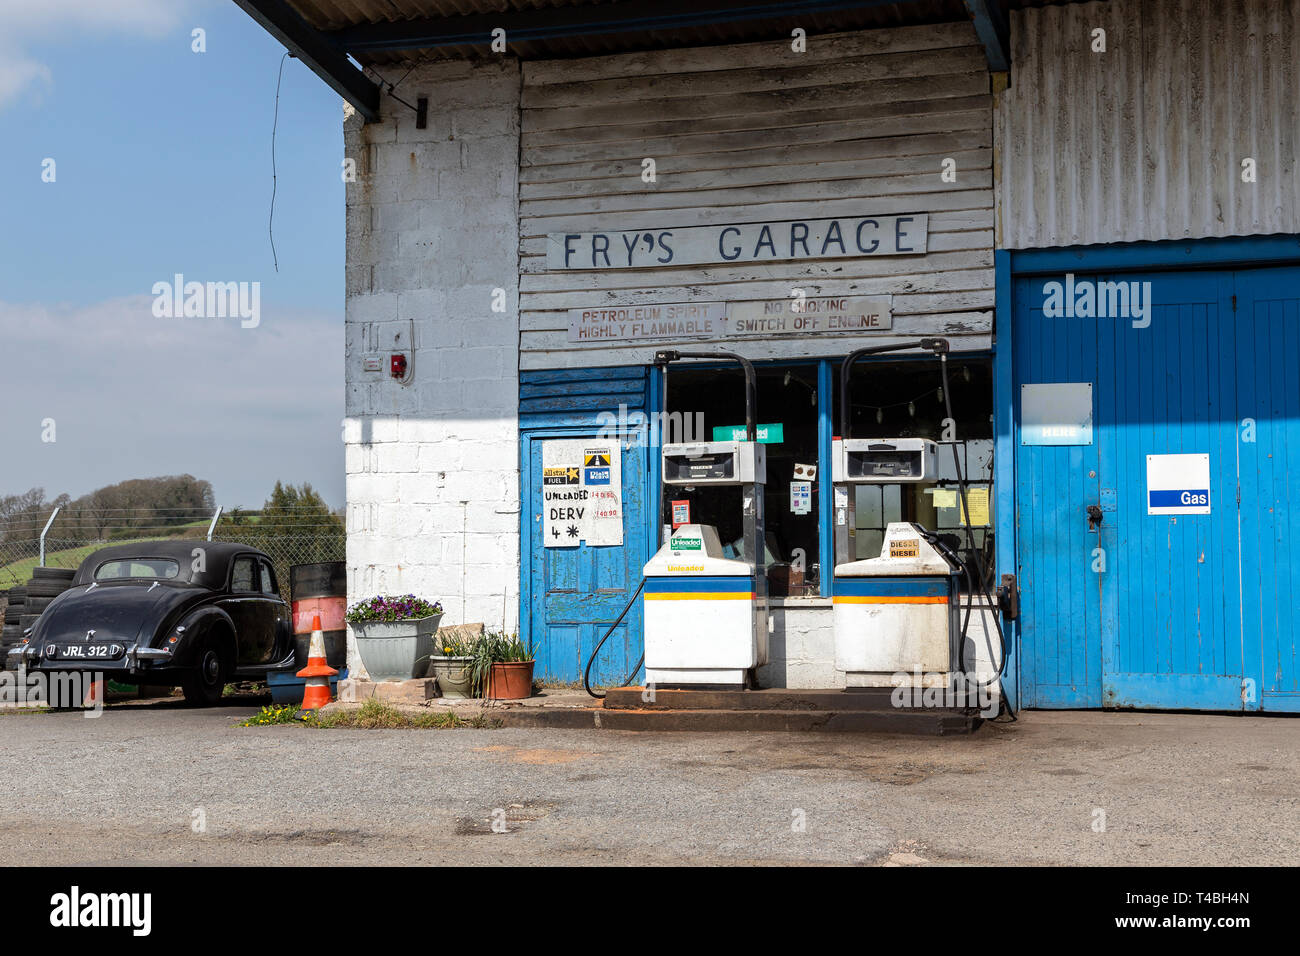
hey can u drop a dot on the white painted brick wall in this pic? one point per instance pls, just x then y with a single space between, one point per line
801 648
433 467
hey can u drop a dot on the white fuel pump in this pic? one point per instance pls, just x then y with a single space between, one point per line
898 613
705 614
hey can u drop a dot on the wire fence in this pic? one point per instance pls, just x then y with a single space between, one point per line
288 538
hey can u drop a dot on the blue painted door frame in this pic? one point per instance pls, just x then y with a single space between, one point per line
1240 366
569 596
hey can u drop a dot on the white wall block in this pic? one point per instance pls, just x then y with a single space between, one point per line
433 473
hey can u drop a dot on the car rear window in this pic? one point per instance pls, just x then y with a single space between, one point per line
127 568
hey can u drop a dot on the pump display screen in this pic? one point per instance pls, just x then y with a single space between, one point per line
680 469
900 465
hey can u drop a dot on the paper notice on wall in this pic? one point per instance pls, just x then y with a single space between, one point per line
582 493
800 497
977 499
944 497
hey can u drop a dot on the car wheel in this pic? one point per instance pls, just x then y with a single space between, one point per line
204 684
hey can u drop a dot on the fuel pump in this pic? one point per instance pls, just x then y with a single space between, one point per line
899 612
705 613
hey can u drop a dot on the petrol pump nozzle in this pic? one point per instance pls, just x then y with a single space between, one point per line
665 356
939 346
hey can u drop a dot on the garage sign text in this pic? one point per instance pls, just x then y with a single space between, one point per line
739 242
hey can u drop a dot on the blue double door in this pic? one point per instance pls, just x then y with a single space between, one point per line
1159 610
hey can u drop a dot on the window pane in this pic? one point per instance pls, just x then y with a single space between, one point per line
155 568
787 396
242 579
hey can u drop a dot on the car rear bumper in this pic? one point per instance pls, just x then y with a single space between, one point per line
134 660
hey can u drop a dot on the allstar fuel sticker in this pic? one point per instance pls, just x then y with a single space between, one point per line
582 493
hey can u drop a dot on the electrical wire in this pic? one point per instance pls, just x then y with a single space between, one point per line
270 224
970 545
586 674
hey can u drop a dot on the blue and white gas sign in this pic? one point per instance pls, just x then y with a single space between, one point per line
1178 484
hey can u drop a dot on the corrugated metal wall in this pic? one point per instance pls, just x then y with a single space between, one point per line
1145 140
857 125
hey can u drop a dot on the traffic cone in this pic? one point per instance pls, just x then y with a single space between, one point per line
95 692
318 671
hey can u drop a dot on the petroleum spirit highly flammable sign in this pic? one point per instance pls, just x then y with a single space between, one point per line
582 493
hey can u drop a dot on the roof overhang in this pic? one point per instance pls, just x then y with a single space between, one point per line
333 36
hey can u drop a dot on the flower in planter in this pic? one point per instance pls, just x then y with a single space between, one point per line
450 644
390 608
496 647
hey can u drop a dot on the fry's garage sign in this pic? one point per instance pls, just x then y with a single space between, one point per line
634 248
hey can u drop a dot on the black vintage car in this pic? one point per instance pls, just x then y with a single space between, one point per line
191 613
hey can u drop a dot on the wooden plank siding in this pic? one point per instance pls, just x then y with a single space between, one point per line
857 125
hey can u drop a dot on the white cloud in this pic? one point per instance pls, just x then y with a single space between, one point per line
17 73
32 17
132 396
22 21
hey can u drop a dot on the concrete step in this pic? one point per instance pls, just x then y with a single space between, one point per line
927 722
832 700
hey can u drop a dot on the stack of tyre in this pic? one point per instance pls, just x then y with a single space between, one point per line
26 603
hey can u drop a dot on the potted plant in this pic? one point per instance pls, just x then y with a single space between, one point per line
451 663
395 634
502 667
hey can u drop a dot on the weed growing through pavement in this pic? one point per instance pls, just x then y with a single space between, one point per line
272 714
372 715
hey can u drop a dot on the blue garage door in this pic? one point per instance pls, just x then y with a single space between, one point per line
1163 611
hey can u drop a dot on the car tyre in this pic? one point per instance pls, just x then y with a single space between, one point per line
53 574
204 684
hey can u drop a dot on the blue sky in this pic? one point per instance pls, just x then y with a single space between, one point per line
163 166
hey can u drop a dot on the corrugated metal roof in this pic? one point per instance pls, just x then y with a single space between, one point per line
337 14
1147 141
330 15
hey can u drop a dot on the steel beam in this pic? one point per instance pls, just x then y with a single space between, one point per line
317 51
522 26
994 32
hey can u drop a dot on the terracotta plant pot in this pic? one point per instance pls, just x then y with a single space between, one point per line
512 681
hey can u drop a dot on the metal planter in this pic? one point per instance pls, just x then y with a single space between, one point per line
396 650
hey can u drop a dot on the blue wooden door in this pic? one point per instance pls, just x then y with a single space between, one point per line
575 593
1060 626
1171 609
1268 423
1164 611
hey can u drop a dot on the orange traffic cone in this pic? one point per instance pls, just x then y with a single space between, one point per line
94 693
318 672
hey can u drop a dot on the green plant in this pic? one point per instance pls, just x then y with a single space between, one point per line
376 715
273 714
495 647
387 607
451 644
